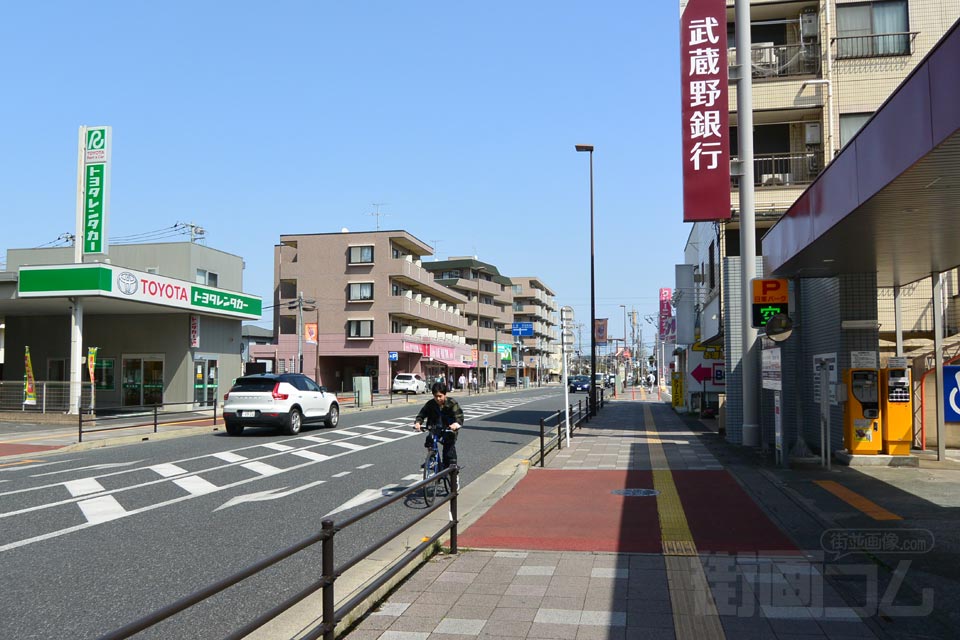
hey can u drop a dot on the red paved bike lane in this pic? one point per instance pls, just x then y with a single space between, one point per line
577 510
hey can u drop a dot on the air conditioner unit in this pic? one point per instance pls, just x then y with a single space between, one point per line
763 54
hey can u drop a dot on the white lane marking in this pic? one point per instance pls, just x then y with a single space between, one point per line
348 445
393 422
107 465
227 456
379 438
367 495
403 432
270 494
412 476
83 486
262 468
102 509
196 485
341 474
167 469
344 432
315 439
365 466
311 455
276 446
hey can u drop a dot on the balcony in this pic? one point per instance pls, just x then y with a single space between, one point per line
783 169
875 45
404 307
412 275
769 60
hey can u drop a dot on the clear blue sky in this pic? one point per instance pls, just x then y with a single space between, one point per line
256 119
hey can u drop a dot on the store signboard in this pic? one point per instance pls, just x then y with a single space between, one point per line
112 281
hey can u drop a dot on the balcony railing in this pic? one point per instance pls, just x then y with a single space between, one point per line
876 45
769 60
783 170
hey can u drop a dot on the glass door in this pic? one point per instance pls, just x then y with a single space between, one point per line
132 382
142 380
205 381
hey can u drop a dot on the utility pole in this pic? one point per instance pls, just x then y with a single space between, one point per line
301 304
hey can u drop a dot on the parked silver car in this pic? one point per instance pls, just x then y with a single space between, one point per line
285 400
409 383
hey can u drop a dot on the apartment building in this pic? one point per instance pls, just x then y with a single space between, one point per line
533 302
488 310
820 70
363 304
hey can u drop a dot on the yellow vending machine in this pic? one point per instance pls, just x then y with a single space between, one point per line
861 416
896 409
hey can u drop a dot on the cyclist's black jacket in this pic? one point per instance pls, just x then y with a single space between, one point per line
431 413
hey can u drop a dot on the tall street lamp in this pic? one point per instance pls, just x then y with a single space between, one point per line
593 299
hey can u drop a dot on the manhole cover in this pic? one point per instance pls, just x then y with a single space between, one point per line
635 493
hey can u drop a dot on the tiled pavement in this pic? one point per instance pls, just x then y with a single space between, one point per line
613 596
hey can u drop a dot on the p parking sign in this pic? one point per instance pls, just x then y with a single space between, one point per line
770 297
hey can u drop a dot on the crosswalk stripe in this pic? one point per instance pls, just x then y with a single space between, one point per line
341 474
315 439
83 486
393 422
403 432
344 432
348 445
311 455
379 438
276 446
167 470
262 468
195 485
102 509
227 456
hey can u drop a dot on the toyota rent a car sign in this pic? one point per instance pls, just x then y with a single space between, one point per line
93 206
114 281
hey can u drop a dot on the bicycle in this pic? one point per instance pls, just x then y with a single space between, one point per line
432 466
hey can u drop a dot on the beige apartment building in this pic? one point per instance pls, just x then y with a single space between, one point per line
533 302
488 310
369 308
820 70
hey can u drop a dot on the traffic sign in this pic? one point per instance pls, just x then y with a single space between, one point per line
393 356
522 329
951 394
770 297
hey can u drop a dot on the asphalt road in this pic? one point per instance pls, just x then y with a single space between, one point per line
92 540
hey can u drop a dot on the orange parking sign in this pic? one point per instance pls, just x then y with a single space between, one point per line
774 291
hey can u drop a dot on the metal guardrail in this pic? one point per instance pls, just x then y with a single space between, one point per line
781 60
783 169
52 396
133 416
875 45
577 417
331 615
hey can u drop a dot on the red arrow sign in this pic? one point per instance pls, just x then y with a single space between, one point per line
701 373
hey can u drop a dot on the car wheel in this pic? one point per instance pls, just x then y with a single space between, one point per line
333 418
294 422
234 428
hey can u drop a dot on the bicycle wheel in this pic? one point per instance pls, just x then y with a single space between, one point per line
430 467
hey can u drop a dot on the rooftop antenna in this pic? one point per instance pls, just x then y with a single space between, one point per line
436 255
377 212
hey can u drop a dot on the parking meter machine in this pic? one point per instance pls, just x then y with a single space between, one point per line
896 410
861 416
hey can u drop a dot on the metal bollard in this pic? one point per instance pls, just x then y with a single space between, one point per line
560 429
454 484
541 442
329 611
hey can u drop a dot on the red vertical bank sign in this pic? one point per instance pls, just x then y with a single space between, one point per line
706 131
666 311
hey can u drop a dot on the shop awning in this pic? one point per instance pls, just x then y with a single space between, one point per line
453 364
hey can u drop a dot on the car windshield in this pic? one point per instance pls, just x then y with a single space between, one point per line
254 384
404 376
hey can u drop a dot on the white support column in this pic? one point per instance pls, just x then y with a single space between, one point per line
937 281
76 353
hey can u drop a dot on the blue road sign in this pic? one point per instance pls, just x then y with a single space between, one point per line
951 394
393 356
522 329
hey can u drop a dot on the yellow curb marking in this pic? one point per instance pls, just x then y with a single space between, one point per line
857 501
19 462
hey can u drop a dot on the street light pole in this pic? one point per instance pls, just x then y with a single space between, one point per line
593 294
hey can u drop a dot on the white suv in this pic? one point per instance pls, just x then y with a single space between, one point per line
409 383
285 400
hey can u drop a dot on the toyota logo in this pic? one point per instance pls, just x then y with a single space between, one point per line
127 283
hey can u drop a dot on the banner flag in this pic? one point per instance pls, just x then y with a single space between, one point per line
91 366
600 331
29 383
310 330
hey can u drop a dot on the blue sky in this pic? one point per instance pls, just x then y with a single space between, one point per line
256 119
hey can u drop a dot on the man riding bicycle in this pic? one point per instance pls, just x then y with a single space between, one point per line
442 413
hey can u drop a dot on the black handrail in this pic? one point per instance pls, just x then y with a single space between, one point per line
136 411
330 616
577 418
